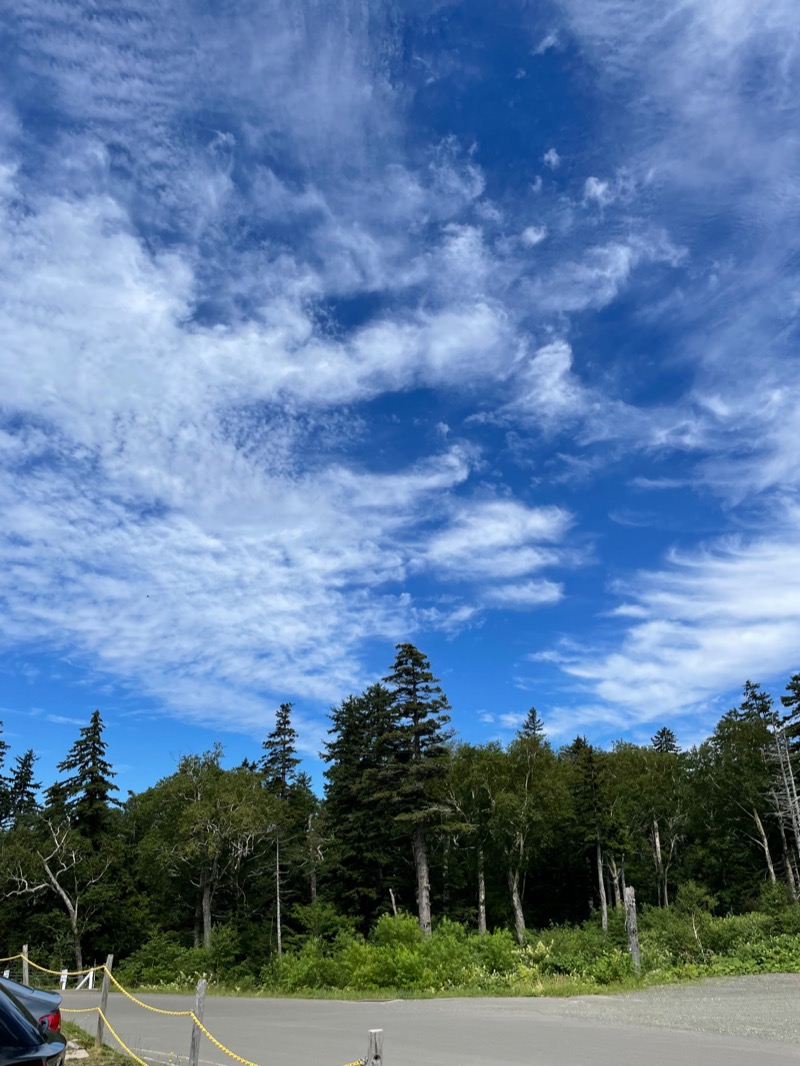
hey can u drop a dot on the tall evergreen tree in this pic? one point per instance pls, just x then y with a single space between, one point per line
592 809
664 741
741 743
361 860
86 794
533 726
791 720
23 787
416 759
6 803
279 762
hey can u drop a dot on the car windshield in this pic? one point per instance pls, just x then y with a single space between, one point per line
17 1028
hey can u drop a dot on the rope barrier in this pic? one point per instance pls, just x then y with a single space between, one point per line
124 1047
213 1039
62 973
55 973
146 1006
122 1044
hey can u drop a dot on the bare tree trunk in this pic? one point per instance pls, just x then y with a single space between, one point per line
601 888
446 877
632 928
76 943
71 907
197 938
394 902
312 862
764 844
420 848
206 906
278 927
481 893
663 899
516 903
789 785
787 860
614 871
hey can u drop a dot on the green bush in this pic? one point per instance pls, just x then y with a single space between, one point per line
683 941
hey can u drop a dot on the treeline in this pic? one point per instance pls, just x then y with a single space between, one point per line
238 869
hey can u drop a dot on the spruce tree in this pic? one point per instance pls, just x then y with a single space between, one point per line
86 795
664 741
6 803
416 759
592 808
533 726
23 787
361 861
791 720
279 762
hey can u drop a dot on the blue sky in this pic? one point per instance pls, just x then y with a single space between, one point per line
330 325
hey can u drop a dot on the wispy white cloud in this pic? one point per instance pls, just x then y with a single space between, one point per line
500 539
699 628
223 250
525 595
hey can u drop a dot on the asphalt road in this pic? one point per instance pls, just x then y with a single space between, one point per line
735 1022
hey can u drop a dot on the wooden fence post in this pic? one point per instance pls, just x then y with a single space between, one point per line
25 964
632 928
98 1040
199 1009
375 1049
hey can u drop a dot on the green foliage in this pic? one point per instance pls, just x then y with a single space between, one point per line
279 762
164 960
86 795
208 853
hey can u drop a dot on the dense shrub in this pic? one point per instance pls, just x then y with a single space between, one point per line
686 940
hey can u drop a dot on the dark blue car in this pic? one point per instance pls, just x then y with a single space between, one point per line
24 1040
44 1006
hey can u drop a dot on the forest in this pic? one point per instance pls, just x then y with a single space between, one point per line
428 864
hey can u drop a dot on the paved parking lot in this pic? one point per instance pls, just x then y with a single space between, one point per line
733 1022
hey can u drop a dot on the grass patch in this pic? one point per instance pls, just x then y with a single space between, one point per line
98 1056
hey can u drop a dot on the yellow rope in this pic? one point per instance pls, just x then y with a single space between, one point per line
93 1010
124 1047
140 1003
146 1006
213 1039
61 973
182 1014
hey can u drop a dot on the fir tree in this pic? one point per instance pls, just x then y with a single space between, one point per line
416 759
664 741
533 726
592 809
791 720
23 787
279 762
361 866
6 803
86 795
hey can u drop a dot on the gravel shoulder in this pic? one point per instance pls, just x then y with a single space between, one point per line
765 1006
